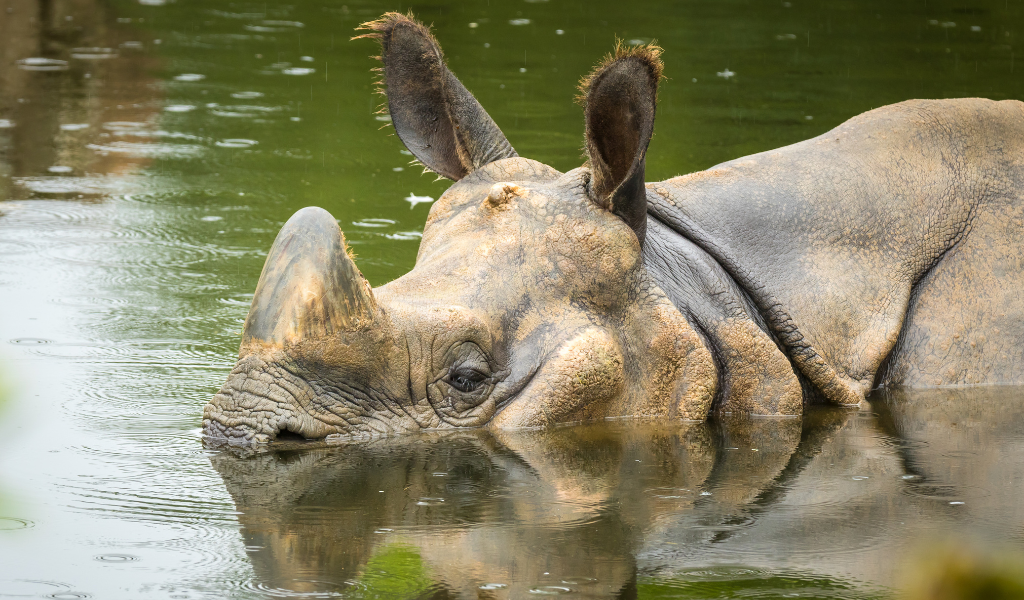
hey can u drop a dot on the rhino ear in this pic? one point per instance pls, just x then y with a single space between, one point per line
619 99
435 116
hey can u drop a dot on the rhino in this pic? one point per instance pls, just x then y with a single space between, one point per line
883 253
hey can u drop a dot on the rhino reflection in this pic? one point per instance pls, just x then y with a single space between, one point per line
523 508
843 492
53 114
962 447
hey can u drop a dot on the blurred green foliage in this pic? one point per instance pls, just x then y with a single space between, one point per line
739 582
962 571
395 571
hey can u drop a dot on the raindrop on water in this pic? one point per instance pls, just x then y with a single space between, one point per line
42 64
237 143
116 558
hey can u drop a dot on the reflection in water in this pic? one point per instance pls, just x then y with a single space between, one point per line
193 129
64 99
537 510
621 509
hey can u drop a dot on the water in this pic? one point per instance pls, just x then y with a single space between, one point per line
150 151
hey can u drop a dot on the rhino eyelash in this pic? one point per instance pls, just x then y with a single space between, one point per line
466 381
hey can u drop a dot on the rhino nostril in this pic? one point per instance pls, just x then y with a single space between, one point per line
289 436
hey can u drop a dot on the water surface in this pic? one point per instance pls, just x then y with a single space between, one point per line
150 151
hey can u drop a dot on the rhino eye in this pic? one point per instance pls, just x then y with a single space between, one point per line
465 380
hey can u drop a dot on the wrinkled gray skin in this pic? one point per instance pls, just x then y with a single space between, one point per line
884 252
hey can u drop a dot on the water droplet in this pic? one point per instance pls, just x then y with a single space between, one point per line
237 143
212 218
42 64
59 169
726 74
6 123
550 590
306 58
956 503
12 523
413 200
30 341
397 169
74 126
493 586
247 95
373 223
116 558
519 22
298 71
93 53
859 477
473 25
190 77
559 31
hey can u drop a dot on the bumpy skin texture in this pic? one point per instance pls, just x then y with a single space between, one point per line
884 251
902 223
567 328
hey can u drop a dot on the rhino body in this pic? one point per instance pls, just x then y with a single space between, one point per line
884 252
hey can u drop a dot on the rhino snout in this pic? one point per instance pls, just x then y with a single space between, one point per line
258 402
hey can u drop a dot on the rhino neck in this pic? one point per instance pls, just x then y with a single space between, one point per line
754 374
725 291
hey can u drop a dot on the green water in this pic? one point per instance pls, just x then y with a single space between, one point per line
144 174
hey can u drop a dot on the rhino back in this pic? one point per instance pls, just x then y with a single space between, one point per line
896 222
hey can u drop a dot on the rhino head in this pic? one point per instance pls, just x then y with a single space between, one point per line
529 304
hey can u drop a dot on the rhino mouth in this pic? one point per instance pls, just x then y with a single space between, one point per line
255 406
264 401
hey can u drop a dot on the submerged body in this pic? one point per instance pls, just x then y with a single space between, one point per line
883 252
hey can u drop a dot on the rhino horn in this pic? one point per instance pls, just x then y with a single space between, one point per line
310 286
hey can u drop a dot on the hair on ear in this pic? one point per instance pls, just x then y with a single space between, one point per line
619 98
647 54
434 115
